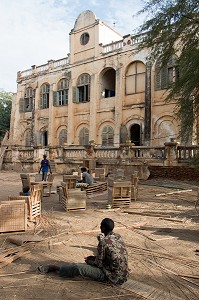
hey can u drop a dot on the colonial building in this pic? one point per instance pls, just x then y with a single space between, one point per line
102 92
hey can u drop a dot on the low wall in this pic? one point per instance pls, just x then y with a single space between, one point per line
176 172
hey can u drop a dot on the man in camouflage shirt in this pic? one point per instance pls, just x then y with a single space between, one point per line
109 265
112 255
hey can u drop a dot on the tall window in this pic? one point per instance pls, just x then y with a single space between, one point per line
84 136
63 137
44 96
107 136
81 93
26 103
135 78
28 99
61 96
166 75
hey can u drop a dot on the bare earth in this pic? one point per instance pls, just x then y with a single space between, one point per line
162 259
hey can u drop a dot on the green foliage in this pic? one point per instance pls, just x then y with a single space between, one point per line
5 111
172 27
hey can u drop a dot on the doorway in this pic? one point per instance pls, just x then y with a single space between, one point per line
45 138
135 134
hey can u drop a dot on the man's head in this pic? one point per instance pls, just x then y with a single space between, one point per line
83 169
107 225
44 156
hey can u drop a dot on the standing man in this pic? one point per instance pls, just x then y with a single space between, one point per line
109 265
45 166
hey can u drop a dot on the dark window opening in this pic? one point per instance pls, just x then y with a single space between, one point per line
135 134
83 93
45 138
84 38
109 93
108 84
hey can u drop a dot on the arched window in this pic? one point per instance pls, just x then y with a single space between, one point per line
135 78
28 138
166 75
84 136
60 97
63 137
28 99
44 96
107 136
81 93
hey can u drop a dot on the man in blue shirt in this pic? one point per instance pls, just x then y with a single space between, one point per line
45 166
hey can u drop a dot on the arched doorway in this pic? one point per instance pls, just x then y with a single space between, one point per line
135 134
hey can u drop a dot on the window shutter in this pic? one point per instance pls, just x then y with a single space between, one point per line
41 101
164 78
55 98
88 92
157 77
75 95
21 105
65 97
123 134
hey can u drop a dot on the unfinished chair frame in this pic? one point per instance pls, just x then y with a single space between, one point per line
33 201
72 199
13 216
119 195
98 187
71 181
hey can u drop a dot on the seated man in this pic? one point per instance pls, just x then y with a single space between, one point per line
110 264
87 179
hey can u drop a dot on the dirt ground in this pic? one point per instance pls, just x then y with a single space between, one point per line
162 259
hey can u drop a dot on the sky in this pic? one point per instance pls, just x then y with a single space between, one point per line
35 31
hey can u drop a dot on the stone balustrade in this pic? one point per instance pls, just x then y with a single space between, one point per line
112 47
52 64
168 155
188 152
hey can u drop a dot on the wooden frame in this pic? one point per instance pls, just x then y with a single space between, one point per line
98 187
13 216
33 201
71 181
119 195
72 199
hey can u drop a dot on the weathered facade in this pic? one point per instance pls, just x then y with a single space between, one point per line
103 92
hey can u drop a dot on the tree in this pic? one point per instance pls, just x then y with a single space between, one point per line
5 111
172 27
